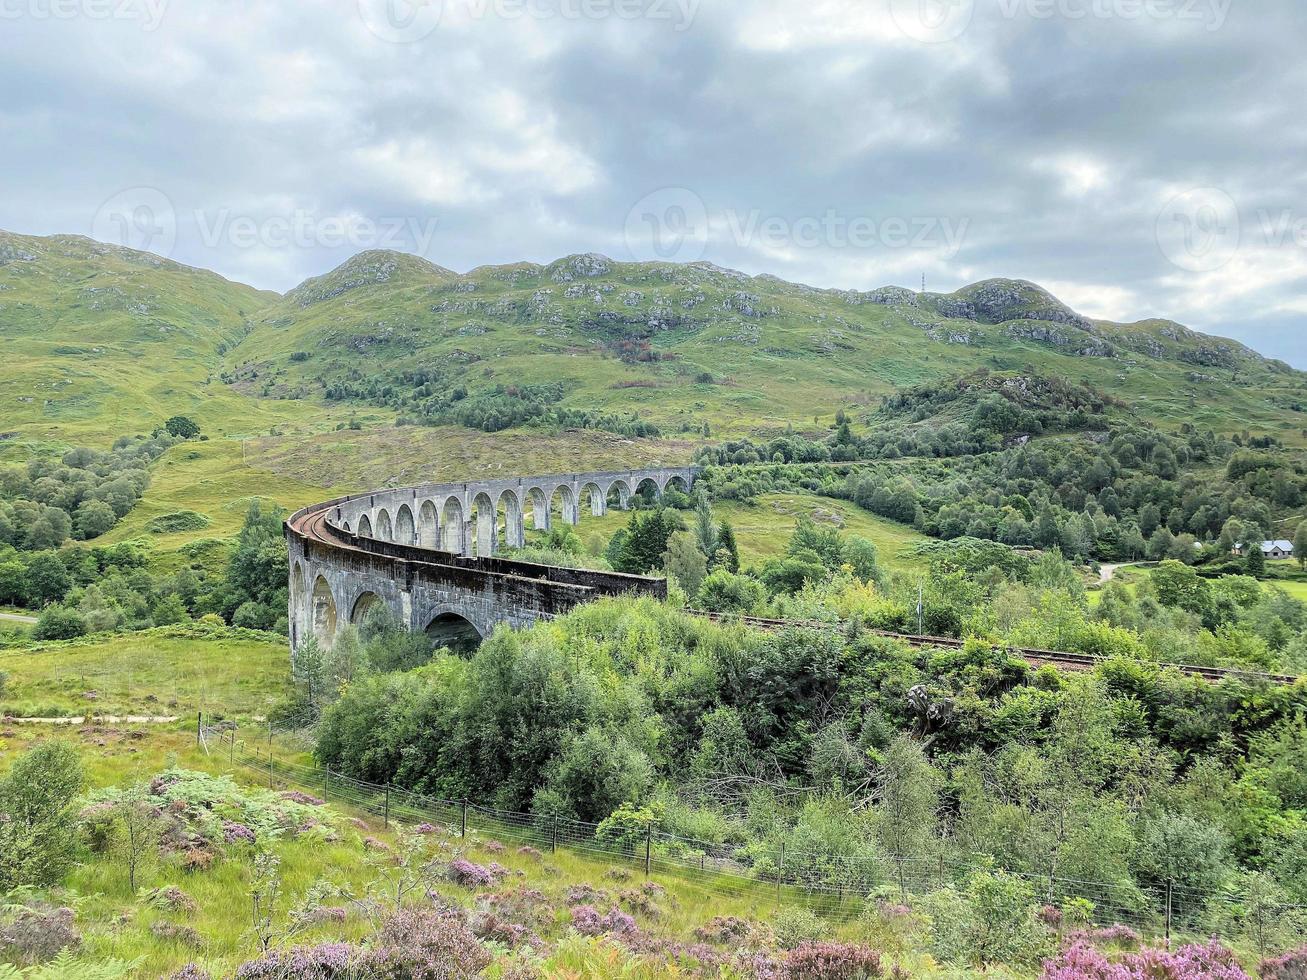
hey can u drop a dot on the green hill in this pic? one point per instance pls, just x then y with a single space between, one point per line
99 340
685 345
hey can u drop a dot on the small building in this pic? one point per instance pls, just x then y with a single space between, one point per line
1271 550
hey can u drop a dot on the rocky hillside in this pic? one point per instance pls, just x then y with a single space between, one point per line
89 329
684 345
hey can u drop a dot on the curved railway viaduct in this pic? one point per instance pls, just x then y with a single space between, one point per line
428 553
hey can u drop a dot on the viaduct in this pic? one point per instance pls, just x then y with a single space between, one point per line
428 553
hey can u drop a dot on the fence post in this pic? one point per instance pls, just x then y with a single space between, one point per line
648 844
1169 884
553 847
270 786
199 723
462 832
780 873
385 817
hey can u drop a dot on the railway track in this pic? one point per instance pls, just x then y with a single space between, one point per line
1032 655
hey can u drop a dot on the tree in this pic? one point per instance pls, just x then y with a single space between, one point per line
907 804
1255 563
1300 544
94 518
727 555
684 562
13 583
181 427
705 531
47 580
38 826
137 825
59 623
645 542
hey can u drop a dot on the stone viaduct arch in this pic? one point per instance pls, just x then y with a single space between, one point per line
428 553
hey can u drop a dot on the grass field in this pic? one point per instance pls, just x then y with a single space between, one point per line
763 529
164 671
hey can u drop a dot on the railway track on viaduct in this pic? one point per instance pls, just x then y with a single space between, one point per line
1032 655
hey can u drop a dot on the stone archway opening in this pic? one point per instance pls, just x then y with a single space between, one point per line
385 528
365 527
484 540
538 501
452 527
363 605
562 505
648 493
509 520
619 495
428 525
451 630
324 613
593 500
405 527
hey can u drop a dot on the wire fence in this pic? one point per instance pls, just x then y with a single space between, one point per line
836 884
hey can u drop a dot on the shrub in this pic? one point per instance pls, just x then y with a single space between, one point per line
38 933
796 926
420 945
170 932
168 898
464 872
325 962
1290 966
59 623
38 830
588 922
1209 961
723 929
831 961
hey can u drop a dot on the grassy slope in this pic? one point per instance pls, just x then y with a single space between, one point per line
778 352
238 674
763 529
168 671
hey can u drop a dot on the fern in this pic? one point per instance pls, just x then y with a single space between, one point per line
66 966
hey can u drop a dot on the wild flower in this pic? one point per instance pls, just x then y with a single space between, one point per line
527 851
426 828
494 847
424 946
1208 961
325 962
464 872
236 833
831 961
191 971
584 894
587 920
295 796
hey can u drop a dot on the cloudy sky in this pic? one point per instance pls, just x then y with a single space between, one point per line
1137 157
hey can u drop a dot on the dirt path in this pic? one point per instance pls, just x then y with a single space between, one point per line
1107 571
97 719
15 618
